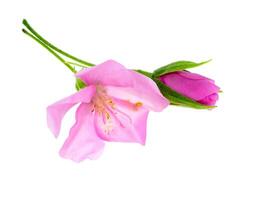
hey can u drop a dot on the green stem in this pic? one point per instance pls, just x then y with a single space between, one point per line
148 74
50 50
37 35
77 64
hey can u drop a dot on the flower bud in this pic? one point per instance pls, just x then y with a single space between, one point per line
194 86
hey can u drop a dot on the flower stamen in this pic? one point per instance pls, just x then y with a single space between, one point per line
101 103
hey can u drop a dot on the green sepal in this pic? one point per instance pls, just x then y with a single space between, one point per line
148 74
178 99
177 66
79 84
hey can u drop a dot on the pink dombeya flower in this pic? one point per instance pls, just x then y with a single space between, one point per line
194 86
113 107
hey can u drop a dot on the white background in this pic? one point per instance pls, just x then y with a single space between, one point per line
190 154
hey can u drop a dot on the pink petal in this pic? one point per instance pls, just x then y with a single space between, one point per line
148 91
151 101
82 142
111 73
144 90
107 73
126 123
56 111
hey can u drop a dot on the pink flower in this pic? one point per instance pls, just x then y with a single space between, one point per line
113 107
194 86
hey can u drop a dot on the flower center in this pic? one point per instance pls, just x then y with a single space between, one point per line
111 116
101 104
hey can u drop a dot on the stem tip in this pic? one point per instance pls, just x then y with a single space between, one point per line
24 21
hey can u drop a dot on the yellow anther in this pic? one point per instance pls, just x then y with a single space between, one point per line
107 115
138 104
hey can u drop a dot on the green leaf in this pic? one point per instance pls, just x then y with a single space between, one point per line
178 99
177 66
79 84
